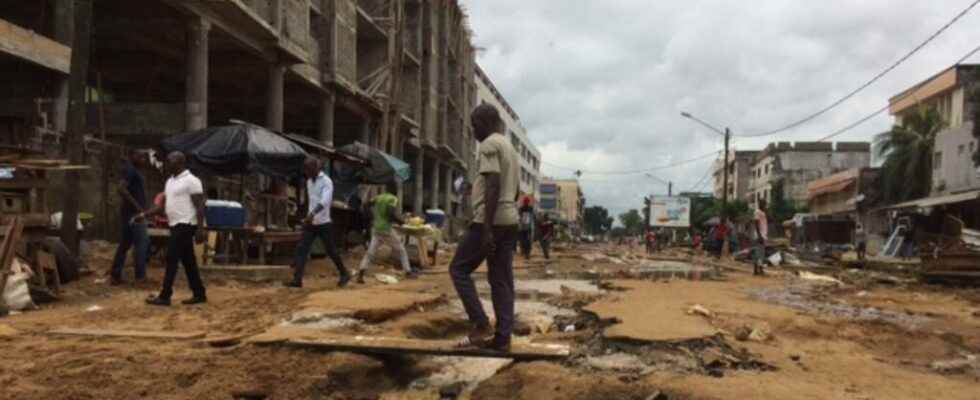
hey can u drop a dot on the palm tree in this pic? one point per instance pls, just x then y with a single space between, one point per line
908 150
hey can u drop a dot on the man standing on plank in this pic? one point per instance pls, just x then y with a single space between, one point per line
384 209
183 202
133 194
319 190
492 235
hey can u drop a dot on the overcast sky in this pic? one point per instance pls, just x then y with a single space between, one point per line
600 84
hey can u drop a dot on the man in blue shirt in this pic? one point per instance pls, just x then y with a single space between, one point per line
319 189
131 189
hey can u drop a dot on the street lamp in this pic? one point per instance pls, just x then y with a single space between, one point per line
724 193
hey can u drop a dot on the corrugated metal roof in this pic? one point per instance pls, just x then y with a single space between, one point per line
937 201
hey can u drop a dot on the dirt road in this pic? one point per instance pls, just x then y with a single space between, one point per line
632 336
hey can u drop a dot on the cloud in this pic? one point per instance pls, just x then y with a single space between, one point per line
600 84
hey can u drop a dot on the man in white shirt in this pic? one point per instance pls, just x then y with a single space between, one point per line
183 203
761 235
319 190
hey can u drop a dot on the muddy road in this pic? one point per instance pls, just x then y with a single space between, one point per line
638 328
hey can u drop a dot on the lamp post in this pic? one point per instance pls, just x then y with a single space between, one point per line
724 191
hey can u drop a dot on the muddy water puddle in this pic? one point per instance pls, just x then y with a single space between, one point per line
803 297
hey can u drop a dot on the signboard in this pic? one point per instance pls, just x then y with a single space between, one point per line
671 212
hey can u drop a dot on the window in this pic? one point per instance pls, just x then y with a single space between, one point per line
937 160
972 145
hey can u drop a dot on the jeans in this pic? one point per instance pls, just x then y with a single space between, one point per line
180 248
391 240
526 243
500 275
133 235
546 248
310 234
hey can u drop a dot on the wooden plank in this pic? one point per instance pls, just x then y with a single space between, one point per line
405 346
7 250
129 334
28 45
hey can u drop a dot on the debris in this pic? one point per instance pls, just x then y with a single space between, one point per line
619 362
791 259
758 333
954 366
809 276
658 395
93 308
795 357
224 340
16 293
386 279
699 310
776 259
569 329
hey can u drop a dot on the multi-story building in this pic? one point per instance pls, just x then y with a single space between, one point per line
530 175
395 74
953 170
793 166
563 199
739 174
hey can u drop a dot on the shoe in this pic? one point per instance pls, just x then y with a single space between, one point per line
344 280
479 336
195 300
498 346
412 275
293 284
158 301
360 277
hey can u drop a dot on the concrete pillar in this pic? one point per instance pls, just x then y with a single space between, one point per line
419 180
274 97
275 14
196 89
64 33
400 187
366 132
434 197
447 191
327 105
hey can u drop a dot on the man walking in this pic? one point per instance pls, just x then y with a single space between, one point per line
491 236
183 203
385 211
546 231
526 227
133 194
761 235
319 190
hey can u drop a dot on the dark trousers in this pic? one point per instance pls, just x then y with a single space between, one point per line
500 275
546 248
310 234
180 249
133 236
525 243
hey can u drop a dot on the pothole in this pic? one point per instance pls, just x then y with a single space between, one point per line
806 298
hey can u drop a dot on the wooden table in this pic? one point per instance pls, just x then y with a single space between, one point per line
245 235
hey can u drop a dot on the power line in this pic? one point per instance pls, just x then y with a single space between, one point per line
702 180
632 172
902 96
873 80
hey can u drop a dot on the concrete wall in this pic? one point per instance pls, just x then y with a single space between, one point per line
956 172
805 163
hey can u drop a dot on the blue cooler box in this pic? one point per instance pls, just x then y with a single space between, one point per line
228 217
435 217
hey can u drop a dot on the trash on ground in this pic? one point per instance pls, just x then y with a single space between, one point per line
386 279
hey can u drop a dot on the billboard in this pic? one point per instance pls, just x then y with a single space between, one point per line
672 212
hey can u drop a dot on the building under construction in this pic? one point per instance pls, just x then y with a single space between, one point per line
395 74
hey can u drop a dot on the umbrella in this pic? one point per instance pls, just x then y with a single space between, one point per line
382 167
238 149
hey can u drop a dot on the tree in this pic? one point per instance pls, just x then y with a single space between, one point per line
597 220
701 210
908 151
632 221
781 209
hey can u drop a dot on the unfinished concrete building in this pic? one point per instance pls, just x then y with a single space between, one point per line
396 74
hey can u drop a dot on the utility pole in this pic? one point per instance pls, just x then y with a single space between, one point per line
724 194
670 189
74 135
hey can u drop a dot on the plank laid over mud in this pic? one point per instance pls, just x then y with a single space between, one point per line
309 338
129 334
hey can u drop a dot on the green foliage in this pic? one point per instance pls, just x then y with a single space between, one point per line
632 221
908 148
597 220
781 209
706 208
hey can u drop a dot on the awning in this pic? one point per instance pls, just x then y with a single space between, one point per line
937 201
325 150
830 188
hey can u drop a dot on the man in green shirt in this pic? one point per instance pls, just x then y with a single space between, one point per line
384 209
